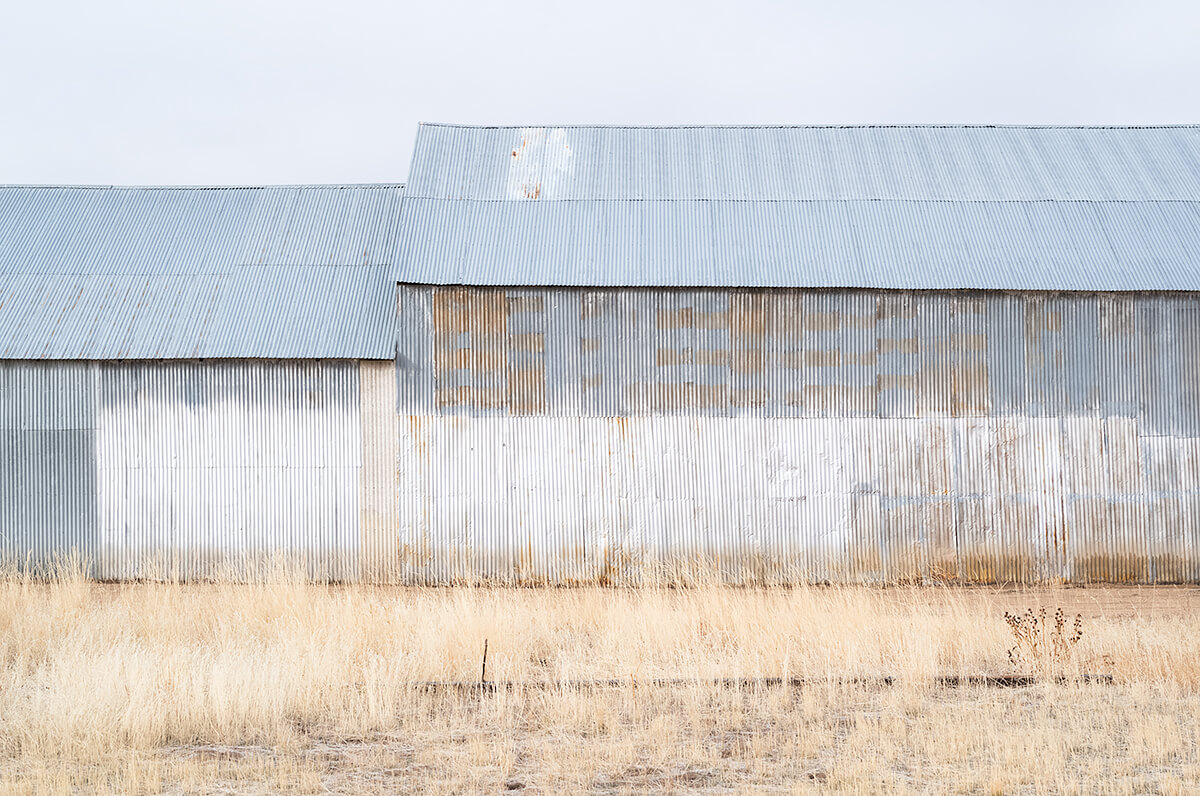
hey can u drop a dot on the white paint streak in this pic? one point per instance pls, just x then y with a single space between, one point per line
539 164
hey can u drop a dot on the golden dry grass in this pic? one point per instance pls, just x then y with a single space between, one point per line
294 687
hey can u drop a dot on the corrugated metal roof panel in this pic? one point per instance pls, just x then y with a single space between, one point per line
164 273
251 312
1062 245
951 162
904 207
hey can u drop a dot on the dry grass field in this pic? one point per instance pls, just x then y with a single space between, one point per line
291 687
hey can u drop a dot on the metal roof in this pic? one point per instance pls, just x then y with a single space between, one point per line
911 207
163 273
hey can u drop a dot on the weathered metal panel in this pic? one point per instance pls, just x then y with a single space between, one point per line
181 273
907 245
843 162
194 468
47 461
924 207
379 485
825 499
825 435
252 312
217 464
592 352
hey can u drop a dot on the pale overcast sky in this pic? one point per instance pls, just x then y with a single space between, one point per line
242 91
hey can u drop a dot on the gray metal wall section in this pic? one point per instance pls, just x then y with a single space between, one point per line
833 435
183 468
48 498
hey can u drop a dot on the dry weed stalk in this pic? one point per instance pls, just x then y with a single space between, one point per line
1040 644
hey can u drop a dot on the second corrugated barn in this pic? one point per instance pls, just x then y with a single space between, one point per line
820 353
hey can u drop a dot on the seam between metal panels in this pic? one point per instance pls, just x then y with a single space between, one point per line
805 200
924 291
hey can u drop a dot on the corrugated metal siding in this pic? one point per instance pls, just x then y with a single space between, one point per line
926 162
801 353
184 468
602 435
379 484
165 273
818 499
828 435
989 208
205 464
48 503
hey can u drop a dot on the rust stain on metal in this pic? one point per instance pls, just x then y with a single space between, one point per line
865 358
534 304
674 319
667 357
691 318
792 360
903 345
967 343
746 360
712 357
594 303
747 314
527 390
479 360
672 397
816 321
892 381
822 359
416 425
477 397
744 398
895 307
533 342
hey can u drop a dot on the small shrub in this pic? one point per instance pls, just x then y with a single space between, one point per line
1037 642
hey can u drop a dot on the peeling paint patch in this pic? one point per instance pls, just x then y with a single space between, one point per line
540 166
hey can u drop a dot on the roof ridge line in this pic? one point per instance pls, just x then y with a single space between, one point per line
215 187
926 125
913 200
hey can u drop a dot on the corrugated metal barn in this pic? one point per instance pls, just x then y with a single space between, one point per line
588 353
832 353
187 376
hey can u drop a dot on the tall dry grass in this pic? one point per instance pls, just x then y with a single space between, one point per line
290 686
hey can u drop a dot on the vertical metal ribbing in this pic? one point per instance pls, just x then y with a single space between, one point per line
889 435
48 507
207 468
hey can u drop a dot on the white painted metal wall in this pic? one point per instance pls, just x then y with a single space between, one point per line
196 468
818 499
